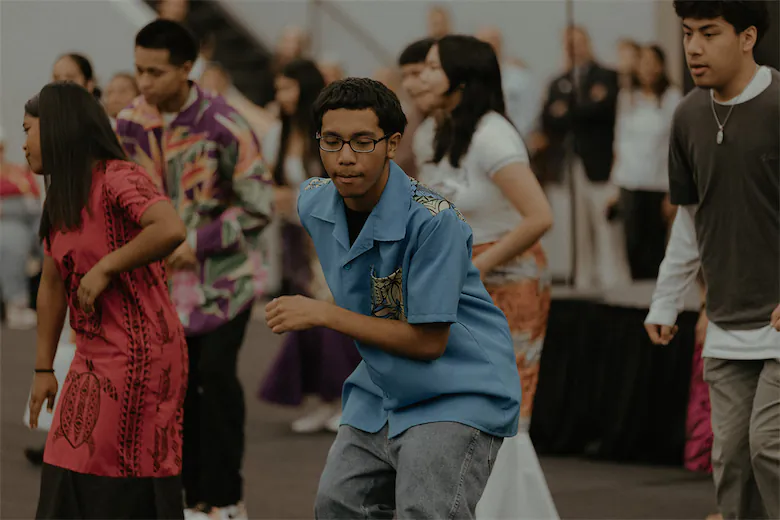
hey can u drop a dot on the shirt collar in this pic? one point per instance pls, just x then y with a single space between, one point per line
188 116
387 221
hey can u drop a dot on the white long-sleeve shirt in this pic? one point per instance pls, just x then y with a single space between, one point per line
677 273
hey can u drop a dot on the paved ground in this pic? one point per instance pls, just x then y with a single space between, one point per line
282 469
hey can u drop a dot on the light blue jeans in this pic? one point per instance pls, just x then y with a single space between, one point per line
435 470
19 219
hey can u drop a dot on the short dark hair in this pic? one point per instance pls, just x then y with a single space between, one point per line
741 14
416 52
361 94
75 132
170 36
86 69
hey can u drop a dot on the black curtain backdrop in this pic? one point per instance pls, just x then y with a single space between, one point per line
767 52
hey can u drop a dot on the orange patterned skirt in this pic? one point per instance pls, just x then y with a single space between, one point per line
521 289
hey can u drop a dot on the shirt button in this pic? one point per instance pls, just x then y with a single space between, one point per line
348 267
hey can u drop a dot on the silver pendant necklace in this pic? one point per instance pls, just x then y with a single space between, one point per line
721 126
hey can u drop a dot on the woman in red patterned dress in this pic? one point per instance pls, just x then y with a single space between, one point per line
114 448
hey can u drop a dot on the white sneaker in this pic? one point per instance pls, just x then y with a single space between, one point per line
333 423
234 512
197 514
316 421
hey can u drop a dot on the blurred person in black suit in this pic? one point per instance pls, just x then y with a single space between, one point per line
579 115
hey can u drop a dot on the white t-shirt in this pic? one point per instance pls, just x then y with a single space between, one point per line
642 134
470 187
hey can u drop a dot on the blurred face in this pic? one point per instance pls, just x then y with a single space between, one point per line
714 51
175 10
650 67
214 81
330 72
158 80
627 58
291 44
358 177
119 94
434 80
577 46
287 94
438 23
32 144
65 69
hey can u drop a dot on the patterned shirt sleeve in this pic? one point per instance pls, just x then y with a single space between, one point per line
132 191
242 167
438 269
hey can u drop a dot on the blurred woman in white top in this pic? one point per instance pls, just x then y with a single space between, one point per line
481 165
640 170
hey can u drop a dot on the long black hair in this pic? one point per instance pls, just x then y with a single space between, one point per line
75 133
662 82
310 84
85 66
472 68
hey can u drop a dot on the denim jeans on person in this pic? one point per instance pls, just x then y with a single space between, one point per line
434 470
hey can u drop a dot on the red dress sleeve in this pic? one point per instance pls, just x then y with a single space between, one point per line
132 190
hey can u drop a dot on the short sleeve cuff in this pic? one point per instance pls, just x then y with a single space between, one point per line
661 316
682 199
141 208
506 161
420 319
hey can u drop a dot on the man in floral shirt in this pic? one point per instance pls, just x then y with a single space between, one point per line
203 154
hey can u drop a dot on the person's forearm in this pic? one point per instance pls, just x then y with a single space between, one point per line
513 243
51 306
421 342
155 242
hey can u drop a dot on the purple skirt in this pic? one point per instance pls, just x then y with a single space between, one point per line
312 362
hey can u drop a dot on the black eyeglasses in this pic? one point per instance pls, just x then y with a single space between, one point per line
363 144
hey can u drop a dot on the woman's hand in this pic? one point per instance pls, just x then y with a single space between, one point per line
44 388
92 286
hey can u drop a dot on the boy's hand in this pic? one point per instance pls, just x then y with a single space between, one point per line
290 313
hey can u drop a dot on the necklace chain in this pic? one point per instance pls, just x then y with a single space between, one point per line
738 100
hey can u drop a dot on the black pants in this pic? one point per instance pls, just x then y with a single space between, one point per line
214 416
645 231
66 494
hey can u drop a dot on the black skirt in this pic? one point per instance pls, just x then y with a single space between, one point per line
66 494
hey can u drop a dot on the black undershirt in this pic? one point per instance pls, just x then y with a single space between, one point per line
355 222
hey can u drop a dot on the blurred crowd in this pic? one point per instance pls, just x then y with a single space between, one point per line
601 131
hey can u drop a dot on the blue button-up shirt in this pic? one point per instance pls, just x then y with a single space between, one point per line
412 262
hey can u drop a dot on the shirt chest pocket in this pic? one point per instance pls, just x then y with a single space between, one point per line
387 295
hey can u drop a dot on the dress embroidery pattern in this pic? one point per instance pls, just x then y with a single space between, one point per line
316 182
160 451
131 424
387 296
431 200
81 407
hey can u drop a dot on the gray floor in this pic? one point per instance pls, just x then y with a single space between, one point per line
282 470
